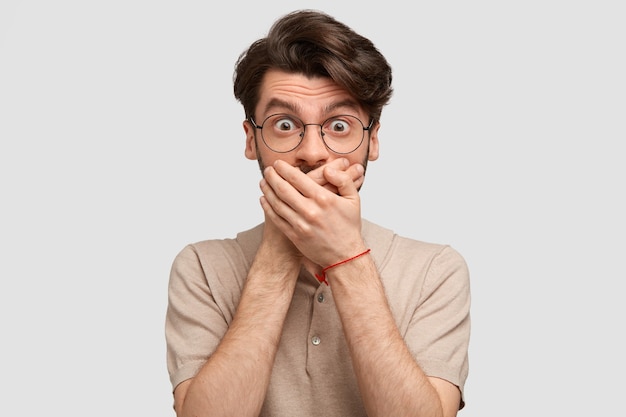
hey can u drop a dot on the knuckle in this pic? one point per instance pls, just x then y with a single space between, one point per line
323 199
311 214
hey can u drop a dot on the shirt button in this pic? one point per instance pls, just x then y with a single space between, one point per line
316 340
320 298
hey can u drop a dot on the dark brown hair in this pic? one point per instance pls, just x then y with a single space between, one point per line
315 44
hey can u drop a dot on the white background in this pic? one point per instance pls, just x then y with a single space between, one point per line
121 142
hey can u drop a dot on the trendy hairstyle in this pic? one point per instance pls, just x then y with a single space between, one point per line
313 43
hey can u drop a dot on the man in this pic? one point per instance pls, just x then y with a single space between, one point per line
316 311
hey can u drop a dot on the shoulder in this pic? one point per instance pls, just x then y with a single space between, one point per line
403 260
243 246
217 260
389 245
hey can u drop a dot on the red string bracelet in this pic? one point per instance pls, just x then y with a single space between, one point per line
322 278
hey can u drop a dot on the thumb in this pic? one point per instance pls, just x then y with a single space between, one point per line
342 180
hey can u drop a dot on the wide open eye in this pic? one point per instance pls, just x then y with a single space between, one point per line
340 126
284 124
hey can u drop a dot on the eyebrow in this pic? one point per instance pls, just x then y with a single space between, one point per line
292 107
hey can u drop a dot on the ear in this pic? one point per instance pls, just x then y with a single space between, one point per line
250 130
373 149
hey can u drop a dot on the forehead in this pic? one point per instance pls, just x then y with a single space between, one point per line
297 93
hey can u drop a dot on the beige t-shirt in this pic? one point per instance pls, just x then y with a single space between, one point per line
427 286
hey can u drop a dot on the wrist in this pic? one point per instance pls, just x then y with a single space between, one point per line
322 276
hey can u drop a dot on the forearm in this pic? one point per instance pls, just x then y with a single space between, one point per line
235 378
390 380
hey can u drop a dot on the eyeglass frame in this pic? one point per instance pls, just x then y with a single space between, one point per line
367 129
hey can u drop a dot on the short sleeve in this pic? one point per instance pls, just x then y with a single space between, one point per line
439 330
194 323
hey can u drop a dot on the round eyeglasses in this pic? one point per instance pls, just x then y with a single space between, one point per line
341 134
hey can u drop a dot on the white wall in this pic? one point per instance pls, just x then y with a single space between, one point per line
121 142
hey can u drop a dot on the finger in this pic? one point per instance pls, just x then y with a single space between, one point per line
285 200
317 174
271 214
270 185
357 173
275 209
342 180
343 164
300 183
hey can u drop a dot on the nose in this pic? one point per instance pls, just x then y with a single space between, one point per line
312 149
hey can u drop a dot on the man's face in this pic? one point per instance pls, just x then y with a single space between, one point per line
312 100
